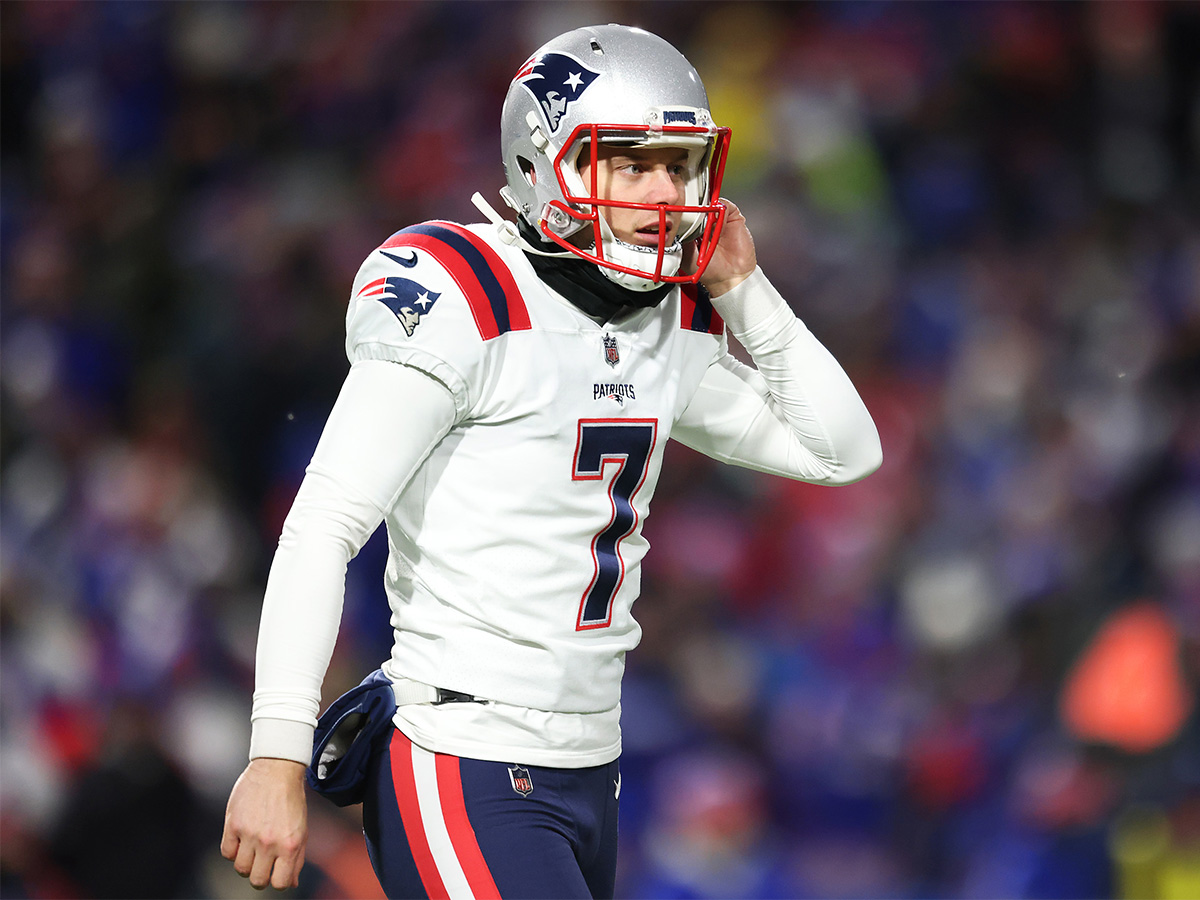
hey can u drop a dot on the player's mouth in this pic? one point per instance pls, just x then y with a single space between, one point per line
650 236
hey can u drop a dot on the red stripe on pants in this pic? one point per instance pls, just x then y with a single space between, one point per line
462 835
410 814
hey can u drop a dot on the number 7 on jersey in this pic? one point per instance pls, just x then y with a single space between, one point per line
627 444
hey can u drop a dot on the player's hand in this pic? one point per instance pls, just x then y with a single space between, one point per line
734 258
266 823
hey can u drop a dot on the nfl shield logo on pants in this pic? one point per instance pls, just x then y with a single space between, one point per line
612 355
521 782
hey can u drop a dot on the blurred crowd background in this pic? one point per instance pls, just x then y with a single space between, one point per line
973 674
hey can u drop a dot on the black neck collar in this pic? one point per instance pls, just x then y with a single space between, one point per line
584 284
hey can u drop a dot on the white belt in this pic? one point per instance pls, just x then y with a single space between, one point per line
408 692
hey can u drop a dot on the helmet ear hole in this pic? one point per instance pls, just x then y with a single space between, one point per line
527 170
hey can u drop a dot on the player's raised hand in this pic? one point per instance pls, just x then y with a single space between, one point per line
734 258
266 823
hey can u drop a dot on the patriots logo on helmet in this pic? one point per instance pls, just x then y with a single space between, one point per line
407 299
556 80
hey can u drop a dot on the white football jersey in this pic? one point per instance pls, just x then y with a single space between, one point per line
515 548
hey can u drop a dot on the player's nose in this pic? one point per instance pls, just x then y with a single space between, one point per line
663 187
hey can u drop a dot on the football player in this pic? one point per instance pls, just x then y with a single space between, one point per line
512 389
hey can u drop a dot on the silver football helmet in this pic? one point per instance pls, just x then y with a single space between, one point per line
617 85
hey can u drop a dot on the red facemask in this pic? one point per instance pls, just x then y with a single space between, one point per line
560 218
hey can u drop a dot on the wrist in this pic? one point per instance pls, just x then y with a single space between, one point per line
281 739
753 308
275 767
721 286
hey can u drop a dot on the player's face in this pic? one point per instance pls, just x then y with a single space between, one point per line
655 176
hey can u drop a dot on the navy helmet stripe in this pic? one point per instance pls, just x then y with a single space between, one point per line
473 258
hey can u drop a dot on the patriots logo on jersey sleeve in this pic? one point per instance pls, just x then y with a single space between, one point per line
555 80
407 299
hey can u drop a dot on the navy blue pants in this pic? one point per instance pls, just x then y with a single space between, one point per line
445 826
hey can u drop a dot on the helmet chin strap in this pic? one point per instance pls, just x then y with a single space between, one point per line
508 231
633 256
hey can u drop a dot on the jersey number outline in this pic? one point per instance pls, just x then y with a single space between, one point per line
628 443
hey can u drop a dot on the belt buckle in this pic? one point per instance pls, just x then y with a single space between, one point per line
447 696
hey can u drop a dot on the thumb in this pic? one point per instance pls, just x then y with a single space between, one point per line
732 213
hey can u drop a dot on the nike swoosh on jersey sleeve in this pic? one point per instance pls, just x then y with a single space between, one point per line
482 276
408 262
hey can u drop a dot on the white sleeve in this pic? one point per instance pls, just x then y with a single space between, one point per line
795 414
385 421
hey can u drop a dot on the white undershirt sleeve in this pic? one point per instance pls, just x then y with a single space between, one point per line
385 421
796 413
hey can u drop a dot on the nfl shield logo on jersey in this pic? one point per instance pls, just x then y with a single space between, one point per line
612 355
521 782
